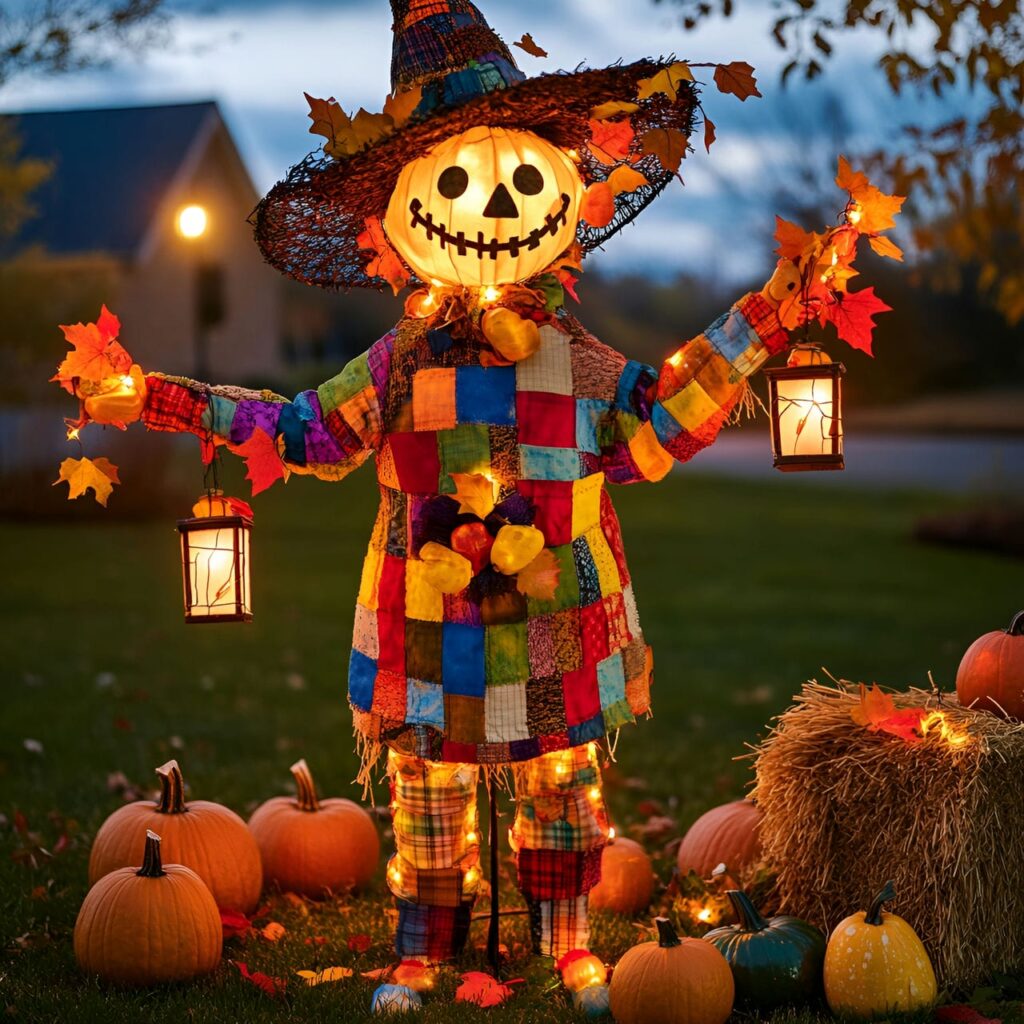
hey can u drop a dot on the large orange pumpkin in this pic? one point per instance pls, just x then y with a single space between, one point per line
311 846
147 925
206 837
724 835
991 673
671 981
489 206
627 878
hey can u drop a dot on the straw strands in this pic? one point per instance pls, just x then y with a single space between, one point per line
846 808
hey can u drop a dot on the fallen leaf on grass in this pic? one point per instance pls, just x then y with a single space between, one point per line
234 924
484 990
359 943
273 987
273 932
328 974
961 1014
413 974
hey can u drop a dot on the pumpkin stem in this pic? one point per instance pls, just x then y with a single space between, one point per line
666 933
749 918
306 797
874 914
151 864
1017 625
172 789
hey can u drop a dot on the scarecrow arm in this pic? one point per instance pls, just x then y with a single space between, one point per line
328 431
674 414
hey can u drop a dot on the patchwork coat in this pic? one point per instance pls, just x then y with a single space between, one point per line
490 675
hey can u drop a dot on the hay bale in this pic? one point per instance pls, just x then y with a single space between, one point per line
846 808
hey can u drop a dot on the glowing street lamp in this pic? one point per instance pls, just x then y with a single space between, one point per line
192 221
805 402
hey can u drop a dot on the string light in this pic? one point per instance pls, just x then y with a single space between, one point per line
595 793
73 433
127 382
611 833
705 915
470 837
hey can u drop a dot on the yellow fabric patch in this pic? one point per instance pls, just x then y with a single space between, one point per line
433 399
586 503
691 406
653 460
422 599
369 583
604 560
362 413
719 379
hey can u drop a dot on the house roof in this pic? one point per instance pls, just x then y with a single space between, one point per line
111 170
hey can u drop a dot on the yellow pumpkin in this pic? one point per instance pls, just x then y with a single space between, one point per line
627 878
148 925
583 970
512 336
515 547
446 570
489 206
876 965
315 847
210 839
671 981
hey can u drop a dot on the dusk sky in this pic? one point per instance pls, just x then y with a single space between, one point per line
257 58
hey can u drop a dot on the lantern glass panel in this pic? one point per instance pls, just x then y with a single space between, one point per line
806 413
215 557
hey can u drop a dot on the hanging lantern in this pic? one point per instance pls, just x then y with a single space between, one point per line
215 560
805 400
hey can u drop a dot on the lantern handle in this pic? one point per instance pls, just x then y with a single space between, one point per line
1016 627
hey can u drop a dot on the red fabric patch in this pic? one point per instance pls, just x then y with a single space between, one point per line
579 690
554 741
348 440
391 631
171 406
553 499
613 534
391 589
594 633
618 627
546 419
558 874
765 321
464 753
389 694
417 464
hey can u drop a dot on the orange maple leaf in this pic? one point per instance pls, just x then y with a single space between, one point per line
474 492
81 475
625 179
263 463
885 247
413 974
793 240
96 352
385 262
848 179
610 140
527 43
877 209
400 105
539 579
736 78
483 990
598 206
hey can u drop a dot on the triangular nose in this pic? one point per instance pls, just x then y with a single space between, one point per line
501 204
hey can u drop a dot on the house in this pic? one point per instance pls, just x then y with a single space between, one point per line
199 304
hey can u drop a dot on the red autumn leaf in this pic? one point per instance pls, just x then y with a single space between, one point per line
852 313
527 43
483 990
263 463
736 78
610 140
709 132
385 263
598 206
359 943
96 352
273 987
234 924
961 1014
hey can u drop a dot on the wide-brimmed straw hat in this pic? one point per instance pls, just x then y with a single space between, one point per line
308 225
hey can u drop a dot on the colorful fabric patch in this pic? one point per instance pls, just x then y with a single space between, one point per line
505 713
364 632
549 463
425 703
545 706
567 592
485 395
507 656
433 399
417 466
464 449
553 499
590 414
546 420
464 719
579 691
586 572
586 503
362 673
430 933
550 367
423 650
422 599
463 660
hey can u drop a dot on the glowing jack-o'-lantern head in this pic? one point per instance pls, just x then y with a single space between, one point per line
489 206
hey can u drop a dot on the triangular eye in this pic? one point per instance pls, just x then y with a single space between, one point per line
528 180
452 182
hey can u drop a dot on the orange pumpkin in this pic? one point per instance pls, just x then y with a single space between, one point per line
991 673
206 837
314 847
148 925
627 878
671 981
724 835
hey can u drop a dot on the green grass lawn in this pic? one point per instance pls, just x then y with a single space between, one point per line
745 591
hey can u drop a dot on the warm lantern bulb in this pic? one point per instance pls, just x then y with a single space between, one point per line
490 294
611 833
595 793
704 915
192 221
853 215
471 876
127 382
470 837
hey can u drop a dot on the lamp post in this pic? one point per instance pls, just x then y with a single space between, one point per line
192 223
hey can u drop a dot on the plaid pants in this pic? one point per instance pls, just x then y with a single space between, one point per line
560 829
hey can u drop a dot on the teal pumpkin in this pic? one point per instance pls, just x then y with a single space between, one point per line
774 963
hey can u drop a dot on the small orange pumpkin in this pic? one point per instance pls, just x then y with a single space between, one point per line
580 969
627 878
727 835
148 925
991 673
314 847
206 837
671 981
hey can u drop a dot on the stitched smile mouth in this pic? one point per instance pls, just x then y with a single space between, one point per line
462 244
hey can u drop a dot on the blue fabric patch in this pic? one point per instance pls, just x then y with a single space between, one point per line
586 573
485 394
589 413
631 375
611 680
524 750
219 414
291 426
591 729
462 659
424 703
439 341
362 672
541 463
666 426
731 334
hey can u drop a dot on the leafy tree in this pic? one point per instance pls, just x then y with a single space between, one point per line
964 176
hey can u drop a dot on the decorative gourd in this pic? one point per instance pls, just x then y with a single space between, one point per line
314 847
512 336
671 981
390 999
446 570
875 964
515 547
627 878
580 969
206 837
489 206
775 962
724 835
148 925
592 1001
991 673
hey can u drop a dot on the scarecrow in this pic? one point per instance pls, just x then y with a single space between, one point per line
496 628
